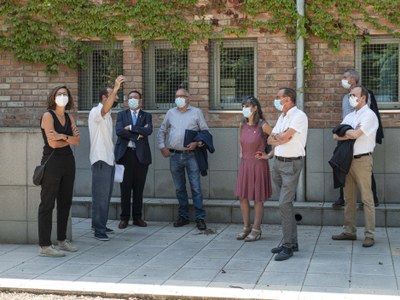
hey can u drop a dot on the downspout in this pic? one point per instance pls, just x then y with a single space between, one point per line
301 187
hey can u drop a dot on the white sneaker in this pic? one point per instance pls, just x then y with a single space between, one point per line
66 246
51 251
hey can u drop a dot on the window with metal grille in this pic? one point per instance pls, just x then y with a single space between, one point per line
379 65
165 71
232 73
103 65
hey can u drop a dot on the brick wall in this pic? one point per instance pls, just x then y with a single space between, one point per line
24 87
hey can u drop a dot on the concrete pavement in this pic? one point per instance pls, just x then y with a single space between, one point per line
178 262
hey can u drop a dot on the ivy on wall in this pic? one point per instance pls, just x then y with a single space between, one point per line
53 31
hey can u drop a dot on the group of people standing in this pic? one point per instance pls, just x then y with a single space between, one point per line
132 150
288 140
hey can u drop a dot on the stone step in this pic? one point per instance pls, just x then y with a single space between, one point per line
228 211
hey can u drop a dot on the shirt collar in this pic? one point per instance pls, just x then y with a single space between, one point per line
290 111
187 108
361 110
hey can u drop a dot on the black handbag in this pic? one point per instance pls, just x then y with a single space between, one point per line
39 172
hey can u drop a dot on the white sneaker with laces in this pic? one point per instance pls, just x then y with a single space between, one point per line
66 246
51 251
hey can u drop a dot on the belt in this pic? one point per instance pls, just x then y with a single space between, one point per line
361 155
180 151
288 159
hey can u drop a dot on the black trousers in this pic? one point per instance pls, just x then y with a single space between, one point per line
132 185
58 184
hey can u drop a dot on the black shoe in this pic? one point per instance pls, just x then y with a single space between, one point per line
278 249
285 254
201 225
339 203
181 222
108 230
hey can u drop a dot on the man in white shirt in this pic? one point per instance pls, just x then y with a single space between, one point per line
365 124
102 158
289 138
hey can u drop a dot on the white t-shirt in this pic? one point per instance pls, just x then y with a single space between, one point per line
100 130
367 121
297 120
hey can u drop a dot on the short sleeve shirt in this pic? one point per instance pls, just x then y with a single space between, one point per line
366 120
297 120
101 131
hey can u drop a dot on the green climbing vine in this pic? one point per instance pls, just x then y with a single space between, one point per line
54 32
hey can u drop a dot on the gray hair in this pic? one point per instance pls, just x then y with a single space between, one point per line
184 90
353 74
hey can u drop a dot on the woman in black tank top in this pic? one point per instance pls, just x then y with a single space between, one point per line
59 132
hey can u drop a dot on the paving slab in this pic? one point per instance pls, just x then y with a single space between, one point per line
164 262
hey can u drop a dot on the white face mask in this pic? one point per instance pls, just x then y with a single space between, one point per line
353 101
62 100
133 103
180 102
345 84
246 111
278 105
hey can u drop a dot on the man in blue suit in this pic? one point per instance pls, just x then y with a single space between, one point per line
133 151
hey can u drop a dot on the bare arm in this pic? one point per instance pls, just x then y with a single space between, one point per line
276 139
111 98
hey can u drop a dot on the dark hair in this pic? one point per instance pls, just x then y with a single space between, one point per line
353 74
51 99
255 103
364 91
137 92
103 92
291 93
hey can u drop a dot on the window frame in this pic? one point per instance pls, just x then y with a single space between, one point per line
358 64
215 68
149 75
88 73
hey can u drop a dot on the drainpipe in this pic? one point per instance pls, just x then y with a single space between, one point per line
301 187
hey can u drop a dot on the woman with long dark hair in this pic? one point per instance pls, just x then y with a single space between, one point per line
253 182
59 132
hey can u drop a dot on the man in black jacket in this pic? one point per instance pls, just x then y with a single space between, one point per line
133 151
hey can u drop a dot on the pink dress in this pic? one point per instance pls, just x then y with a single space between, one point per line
253 181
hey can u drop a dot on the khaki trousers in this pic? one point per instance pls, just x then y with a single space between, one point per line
359 177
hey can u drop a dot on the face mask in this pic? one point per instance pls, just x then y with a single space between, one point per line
62 100
345 84
180 102
246 111
115 104
278 104
353 101
133 103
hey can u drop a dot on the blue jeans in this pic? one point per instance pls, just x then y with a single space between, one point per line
102 187
177 164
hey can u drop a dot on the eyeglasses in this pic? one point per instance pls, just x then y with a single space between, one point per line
181 96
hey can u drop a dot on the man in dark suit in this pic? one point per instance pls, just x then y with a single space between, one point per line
133 151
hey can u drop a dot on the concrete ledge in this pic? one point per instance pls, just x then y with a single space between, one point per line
228 211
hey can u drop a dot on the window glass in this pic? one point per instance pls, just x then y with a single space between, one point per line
103 64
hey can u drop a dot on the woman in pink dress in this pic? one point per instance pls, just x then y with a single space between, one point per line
253 181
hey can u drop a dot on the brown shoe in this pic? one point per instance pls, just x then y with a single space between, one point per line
344 237
140 223
368 242
123 224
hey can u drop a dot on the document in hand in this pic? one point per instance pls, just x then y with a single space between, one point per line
119 173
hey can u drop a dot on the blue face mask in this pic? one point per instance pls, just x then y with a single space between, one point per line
278 105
